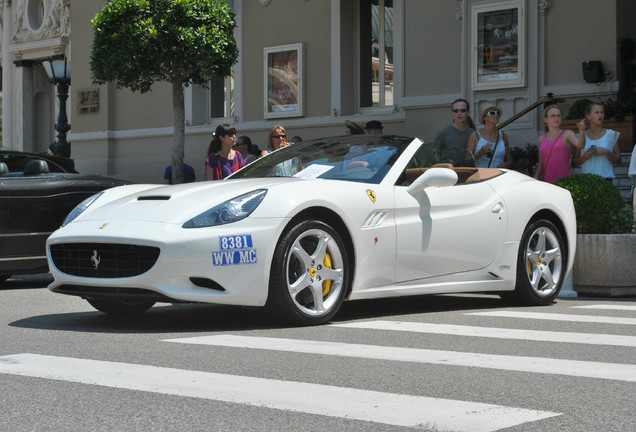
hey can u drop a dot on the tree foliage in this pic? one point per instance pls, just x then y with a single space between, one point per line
139 42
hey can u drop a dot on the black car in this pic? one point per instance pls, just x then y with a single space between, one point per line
37 191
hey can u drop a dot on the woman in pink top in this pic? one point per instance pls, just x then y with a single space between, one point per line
556 146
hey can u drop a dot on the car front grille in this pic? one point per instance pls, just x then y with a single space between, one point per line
103 260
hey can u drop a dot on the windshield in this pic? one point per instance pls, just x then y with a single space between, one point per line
358 158
439 154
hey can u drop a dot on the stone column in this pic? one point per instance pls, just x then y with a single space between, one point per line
23 119
7 76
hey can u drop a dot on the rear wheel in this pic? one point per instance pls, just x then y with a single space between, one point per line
121 308
541 264
310 274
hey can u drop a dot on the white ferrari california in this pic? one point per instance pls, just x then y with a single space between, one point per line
317 223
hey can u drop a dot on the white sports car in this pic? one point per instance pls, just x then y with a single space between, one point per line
316 223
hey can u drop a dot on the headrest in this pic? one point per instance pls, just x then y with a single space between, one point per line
3 168
37 166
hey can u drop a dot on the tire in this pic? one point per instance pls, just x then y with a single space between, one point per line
120 308
541 265
310 275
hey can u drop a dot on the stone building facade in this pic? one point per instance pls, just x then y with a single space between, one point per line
398 61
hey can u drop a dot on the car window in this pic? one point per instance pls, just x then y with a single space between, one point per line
359 158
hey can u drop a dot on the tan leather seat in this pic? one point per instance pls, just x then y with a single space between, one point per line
443 165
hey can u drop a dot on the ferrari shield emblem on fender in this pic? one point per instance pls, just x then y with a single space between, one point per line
371 195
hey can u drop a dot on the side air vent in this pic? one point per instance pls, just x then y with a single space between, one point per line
375 219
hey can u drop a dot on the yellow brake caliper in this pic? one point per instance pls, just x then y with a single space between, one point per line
326 285
529 265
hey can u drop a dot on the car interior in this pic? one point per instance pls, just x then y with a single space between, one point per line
464 174
34 167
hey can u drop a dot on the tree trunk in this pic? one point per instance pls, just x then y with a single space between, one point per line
178 144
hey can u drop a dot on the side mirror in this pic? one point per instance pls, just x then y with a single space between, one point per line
438 177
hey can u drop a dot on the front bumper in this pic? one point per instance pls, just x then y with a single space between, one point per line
193 265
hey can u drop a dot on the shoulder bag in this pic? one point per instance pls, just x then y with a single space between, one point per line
494 152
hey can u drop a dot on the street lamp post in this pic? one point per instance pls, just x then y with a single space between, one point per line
59 72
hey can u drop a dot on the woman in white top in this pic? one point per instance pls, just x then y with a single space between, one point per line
601 149
490 147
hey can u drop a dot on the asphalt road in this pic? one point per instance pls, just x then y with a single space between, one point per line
424 363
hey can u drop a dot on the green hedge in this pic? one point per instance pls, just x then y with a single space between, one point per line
600 208
577 109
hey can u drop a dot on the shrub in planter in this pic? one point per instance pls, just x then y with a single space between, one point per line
600 208
577 109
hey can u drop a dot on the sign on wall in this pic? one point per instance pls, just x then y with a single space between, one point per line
283 81
88 101
498 43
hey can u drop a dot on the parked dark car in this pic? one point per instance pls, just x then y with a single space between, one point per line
37 191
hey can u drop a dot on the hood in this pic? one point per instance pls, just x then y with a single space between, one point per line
171 204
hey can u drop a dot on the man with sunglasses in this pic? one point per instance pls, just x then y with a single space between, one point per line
461 128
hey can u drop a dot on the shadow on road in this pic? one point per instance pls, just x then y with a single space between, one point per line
215 318
396 306
27 281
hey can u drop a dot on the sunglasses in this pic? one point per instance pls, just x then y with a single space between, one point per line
279 136
492 113
460 110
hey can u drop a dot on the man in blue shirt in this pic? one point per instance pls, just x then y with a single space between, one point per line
188 174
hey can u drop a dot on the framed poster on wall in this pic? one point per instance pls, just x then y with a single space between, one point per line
283 81
498 45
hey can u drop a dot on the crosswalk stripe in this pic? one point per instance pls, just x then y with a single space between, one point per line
607 307
558 317
373 406
496 333
577 368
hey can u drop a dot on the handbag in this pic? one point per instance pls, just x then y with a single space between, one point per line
494 152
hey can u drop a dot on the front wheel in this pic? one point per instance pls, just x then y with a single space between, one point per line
120 308
541 264
310 274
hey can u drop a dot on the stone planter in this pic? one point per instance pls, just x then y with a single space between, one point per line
605 265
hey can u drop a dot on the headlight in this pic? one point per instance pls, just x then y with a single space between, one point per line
79 209
230 211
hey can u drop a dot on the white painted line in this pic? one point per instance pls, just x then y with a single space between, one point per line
496 333
576 368
618 306
558 317
388 408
